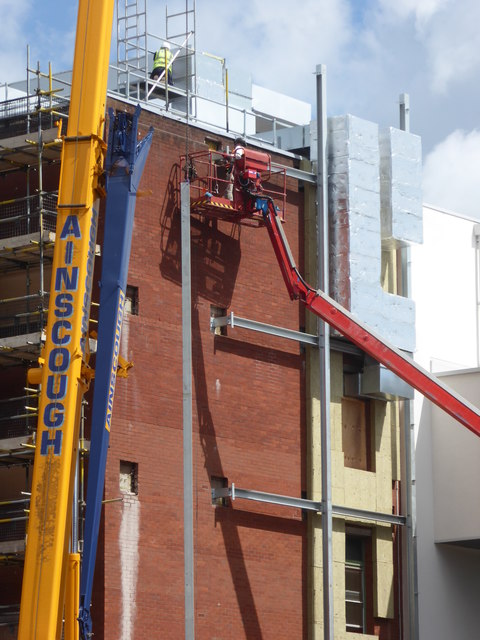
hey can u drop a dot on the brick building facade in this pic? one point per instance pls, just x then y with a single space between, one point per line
257 566
248 408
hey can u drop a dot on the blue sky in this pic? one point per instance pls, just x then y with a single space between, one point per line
374 50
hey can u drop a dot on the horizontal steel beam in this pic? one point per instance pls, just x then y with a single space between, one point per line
235 493
299 174
336 344
235 321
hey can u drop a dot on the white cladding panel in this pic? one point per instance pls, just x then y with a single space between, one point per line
356 238
401 187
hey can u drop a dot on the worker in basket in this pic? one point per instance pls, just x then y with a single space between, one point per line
162 62
237 154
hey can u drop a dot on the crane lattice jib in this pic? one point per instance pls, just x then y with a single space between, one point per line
64 371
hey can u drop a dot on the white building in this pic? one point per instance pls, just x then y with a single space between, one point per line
444 286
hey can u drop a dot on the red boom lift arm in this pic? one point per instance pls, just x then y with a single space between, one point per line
251 201
344 322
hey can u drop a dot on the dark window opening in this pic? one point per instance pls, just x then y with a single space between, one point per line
128 479
218 312
213 144
358 582
218 482
131 300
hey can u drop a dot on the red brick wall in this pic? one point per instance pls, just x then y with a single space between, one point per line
248 420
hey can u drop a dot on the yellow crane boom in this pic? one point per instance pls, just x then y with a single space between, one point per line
64 370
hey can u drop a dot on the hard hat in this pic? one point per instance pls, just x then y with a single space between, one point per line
239 142
166 45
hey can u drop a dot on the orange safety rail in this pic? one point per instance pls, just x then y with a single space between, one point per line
208 174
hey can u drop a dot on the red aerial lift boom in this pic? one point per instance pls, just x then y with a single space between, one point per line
251 202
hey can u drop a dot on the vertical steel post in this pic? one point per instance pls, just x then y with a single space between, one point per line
409 491
40 201
227 122
147 74
194 55
324 353
476 235
404 112
187 410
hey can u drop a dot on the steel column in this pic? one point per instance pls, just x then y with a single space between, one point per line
409 484
404 112
324 354
187 410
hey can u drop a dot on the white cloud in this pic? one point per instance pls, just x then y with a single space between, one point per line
422 10
447 30
12 36
453 45
450 174
279 43
41 46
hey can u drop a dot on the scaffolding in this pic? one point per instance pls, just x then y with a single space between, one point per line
30 130
201 90
30 148
136 47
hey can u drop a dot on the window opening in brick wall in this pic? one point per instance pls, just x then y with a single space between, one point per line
213 144
218 482
131 300
218 312
128 477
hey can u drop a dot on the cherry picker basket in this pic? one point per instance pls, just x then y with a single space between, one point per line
209 174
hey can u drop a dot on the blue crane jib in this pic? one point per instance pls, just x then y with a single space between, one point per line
124 164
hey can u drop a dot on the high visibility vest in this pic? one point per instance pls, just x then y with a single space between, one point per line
161 60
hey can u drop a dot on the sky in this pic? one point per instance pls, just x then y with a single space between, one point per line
373 50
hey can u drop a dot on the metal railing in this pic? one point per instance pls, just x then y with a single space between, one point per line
26 314
207 173
13 120
18 416
31 214
9 615
13 518
135 84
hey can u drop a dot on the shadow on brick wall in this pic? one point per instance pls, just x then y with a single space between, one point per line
215 249
213 464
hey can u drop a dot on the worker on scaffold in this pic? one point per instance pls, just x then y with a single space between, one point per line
162 62
237 155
